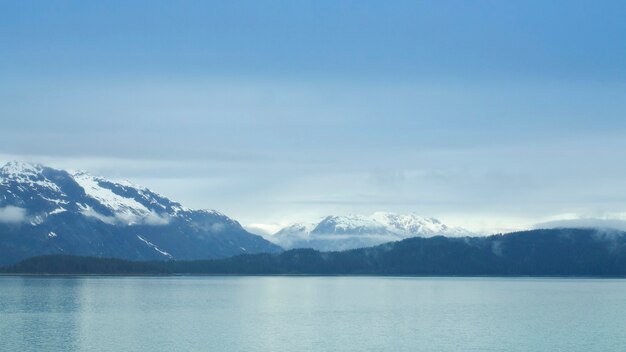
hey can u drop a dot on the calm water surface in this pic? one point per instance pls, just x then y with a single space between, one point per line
310 314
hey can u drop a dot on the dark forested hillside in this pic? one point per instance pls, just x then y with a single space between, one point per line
68 264
559 252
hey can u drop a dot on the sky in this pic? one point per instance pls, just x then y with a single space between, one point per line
490 115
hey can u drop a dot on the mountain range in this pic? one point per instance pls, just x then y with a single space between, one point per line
552 252
49 211
73 221
555 252
336 233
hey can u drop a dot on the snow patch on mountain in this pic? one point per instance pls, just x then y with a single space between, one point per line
410 225
349 224
27 175
153 246
57 211
126 210
122 205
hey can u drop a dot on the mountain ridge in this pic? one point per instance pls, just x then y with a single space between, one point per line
540 253
335 232
50 211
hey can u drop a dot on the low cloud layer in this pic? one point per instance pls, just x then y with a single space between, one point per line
152 218
156 219
616 224
12 215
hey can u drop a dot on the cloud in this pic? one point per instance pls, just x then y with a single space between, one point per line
430 158
90 212
217 227
265 230
12 215
617 224
152 219
155 219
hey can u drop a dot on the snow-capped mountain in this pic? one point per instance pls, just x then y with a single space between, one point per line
334 233
47 211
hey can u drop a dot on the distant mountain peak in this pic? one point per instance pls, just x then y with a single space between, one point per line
18 166
14 169
340 232
25 174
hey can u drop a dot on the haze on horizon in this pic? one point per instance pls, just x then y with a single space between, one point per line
488 115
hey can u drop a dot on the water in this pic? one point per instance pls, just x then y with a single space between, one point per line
310 314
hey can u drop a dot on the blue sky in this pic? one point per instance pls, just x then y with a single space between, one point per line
492 115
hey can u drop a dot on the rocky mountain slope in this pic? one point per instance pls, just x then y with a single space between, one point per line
49 211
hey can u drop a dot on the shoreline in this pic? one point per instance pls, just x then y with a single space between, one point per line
571 277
